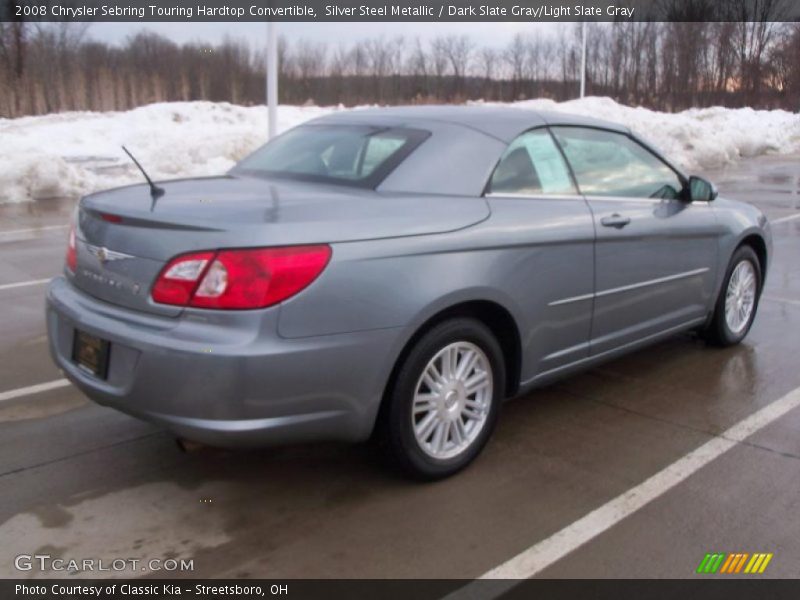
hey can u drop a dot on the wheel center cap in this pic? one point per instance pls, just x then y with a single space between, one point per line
450 399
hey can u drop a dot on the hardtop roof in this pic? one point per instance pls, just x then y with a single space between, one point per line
502 122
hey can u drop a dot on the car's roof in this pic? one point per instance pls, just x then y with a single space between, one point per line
502 122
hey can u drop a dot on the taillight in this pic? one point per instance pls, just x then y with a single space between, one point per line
239 279
178 280
108 217
72 250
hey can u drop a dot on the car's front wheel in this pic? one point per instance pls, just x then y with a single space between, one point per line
738 299
444 403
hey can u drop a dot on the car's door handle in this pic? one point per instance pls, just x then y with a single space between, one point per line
615 220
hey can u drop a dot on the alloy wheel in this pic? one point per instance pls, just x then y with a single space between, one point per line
740 296
452 400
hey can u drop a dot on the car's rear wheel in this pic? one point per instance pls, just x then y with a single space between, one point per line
444 403
738 299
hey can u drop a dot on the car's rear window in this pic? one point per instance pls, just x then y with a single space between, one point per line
356 155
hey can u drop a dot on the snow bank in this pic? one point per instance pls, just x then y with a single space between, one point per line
69 154
699 138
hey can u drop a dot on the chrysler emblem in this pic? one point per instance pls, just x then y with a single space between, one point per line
105 255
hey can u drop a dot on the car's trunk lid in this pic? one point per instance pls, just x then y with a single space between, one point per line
125 238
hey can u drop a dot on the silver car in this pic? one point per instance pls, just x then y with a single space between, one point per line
395 273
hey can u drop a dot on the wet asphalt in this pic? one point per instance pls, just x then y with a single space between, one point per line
81 481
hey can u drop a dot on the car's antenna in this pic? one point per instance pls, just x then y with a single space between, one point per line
155 191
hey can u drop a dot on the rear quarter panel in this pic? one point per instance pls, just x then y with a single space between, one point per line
518 260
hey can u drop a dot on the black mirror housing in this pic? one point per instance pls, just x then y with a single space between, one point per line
701 190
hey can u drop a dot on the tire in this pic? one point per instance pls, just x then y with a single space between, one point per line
402 432
721 331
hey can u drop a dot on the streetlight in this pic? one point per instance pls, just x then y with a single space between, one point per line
583 59
272 80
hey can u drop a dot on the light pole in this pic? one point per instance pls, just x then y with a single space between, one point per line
583 59
272 80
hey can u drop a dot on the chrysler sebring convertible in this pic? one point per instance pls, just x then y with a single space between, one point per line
396 274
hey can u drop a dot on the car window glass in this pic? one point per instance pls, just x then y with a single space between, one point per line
612 164
532 164
338 154
379 148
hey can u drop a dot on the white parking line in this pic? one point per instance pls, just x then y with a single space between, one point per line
31 230
33 389
785 219
782 300
552 549
11 286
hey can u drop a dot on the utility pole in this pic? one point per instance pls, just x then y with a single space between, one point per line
272 79
583 59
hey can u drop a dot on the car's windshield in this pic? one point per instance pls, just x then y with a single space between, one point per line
356 155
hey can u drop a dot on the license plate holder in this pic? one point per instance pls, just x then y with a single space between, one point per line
91 353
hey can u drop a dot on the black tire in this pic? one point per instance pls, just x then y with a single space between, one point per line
395 431
719 332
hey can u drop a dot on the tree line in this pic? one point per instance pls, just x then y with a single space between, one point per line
662 65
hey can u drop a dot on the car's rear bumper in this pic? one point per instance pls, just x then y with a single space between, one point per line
225 378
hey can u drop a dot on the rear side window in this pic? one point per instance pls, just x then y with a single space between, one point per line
606 163
532 165
380 148
355 155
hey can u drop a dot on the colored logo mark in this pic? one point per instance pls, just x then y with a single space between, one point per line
737 562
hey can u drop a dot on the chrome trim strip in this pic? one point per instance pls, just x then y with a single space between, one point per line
534 196
636 200
590 198
571 300
565 351
626 199
650 282
626 288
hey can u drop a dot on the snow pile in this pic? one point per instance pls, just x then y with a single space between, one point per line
69 154
698 138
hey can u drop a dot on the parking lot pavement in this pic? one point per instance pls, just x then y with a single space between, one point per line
83 481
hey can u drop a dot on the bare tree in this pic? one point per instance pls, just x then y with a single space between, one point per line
310 64
755 30
515 56
785 66
664 65
439 63
488 61
457 49
13 49
378 54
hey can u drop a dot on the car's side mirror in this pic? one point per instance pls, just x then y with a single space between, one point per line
701 190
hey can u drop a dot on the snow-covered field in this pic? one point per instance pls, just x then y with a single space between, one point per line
68 154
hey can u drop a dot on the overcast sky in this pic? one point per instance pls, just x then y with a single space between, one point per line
489 34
